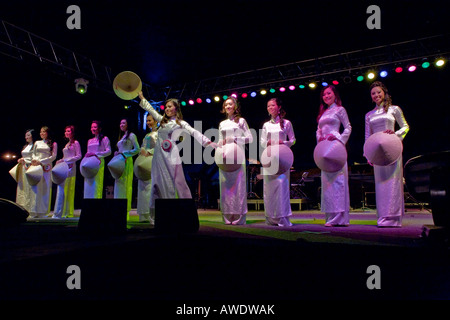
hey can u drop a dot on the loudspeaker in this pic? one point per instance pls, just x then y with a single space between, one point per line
11 214
440 196
103 216
176 216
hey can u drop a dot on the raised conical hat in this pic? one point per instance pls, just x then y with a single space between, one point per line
116 166
143 167
89 167
330 156
383 149
277 159
229 157
34 174
60 172
127 85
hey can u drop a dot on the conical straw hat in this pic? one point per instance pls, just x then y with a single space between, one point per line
60 172
89 167
117 166
229 157
143 167
34 174
330 156
127 85
277 159
383 149
15 171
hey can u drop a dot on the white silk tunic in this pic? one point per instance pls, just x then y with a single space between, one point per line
123 187
144 187
65 195
24 196
233 185
388 179
168 181
42 190
93 187
277 204
335 198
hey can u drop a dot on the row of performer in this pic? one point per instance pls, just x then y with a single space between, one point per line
161 176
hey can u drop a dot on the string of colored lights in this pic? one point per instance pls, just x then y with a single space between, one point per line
370 75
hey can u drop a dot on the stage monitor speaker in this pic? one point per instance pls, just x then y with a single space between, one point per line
11 214
440 196
103 216
176 216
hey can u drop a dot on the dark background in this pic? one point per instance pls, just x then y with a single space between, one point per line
171 42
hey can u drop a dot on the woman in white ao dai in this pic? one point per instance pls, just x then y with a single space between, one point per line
65 195
98 147
168 180
44 154
128 147
24 195
144 186
277 204
233 185
335 198
389 189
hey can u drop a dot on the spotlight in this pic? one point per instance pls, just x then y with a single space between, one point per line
263 92
244 95
225 97
183 103
253 94
412 68
324 84
360 78
398 69
216 98
291 88
234 95
383 74
199 100
425 64
272 90
440 62
208 100
302 86
191 102
335 82
81 85
282 89
312 85
371 75
9 156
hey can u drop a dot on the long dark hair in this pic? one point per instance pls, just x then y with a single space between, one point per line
72 129
49 137
237 108
34 136
99 126
323 106
127 133
387 97
282 113
179 115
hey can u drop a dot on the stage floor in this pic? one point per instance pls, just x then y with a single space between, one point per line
252 261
